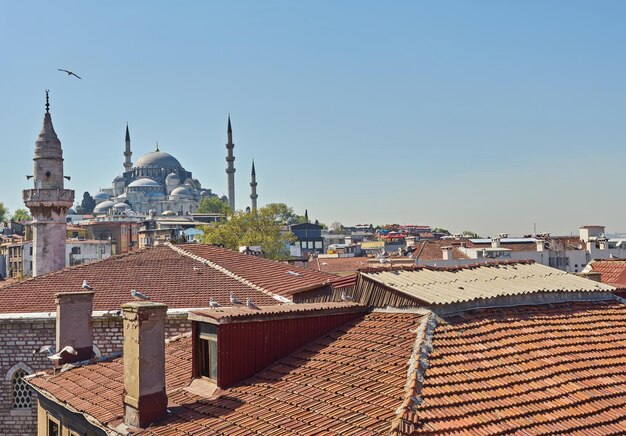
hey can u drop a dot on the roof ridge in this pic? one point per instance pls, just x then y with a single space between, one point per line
368 270
79 266
418 362
229 273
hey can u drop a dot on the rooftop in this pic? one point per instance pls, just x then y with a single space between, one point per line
612 272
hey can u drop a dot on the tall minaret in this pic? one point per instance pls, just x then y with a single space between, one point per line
127 153
48 201
253 194
230 170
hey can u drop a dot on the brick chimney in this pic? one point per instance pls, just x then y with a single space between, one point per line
145 400
74 326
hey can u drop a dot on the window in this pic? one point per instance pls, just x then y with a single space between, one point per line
53 427
208 350
75 250
20 391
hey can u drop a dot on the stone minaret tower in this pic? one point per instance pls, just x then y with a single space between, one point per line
230 170
127 153
48 201
253 194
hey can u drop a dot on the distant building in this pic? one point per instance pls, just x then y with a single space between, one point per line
309 238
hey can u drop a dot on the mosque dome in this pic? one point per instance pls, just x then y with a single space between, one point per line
101 196
118 179
181 190
121 206
171 176
168 213
144 182
157 159
103 207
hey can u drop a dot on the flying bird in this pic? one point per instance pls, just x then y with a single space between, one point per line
48 349
138 295
29 177
346 297
67 177
66 349
250 304
70 73
195 268
86 285
293 273
234 299
214 304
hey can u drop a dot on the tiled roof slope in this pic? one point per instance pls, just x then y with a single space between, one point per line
483 281
160 272
276 277
96 389
558 369
432 250
349 381
338 265
612 272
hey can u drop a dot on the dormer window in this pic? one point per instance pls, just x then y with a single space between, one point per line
207 350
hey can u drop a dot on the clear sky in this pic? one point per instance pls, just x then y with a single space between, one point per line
481 115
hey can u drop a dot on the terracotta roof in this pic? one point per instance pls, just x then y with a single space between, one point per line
349 381
432 250
337 265
518 246
612 272
529 370
161 272
274 276
96 389
271 312
434 285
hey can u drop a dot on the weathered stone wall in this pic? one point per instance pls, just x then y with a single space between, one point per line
18 340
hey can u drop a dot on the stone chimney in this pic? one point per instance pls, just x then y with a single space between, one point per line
495 242
74 325
145 400
447 253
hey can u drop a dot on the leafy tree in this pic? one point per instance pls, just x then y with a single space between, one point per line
470 234
87 205
440 230
4 212
213 205
262 228
336 226
283 214
21 215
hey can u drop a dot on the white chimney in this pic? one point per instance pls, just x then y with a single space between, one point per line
447 253
495 242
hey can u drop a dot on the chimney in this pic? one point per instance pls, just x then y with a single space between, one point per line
348 240
410 241
74 325
447 253
495 243
145 400
541 245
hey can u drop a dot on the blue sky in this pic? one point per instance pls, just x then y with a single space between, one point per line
482 115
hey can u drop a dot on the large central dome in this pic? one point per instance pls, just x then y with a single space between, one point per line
157 159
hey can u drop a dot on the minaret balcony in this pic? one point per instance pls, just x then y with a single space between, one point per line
58 197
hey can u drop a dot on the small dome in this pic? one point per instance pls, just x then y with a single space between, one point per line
203 193
171 176
118 179
101 196
71 211
181 191
103 207
157 159
145 183
168 213
121 206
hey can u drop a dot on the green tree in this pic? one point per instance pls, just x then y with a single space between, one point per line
21 215
284 214
440 230
241 228
4 212
213 205
470 234
87 205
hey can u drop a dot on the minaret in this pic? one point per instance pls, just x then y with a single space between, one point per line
127 153
48 201
230 170
253 194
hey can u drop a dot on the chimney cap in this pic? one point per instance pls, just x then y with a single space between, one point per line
136 305
73 293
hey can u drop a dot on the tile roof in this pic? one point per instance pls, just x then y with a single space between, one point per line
271 312
349 381
337 265
530 370
166 275
271 275
446 285
612 272
432 250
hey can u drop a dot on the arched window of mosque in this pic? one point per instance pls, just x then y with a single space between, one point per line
20 391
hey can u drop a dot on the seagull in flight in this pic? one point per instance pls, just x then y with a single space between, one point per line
70 73
234 299
86 285
67 349
138 295
48 349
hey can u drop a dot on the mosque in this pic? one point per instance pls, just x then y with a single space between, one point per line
158 184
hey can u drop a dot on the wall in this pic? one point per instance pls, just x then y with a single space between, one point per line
18 339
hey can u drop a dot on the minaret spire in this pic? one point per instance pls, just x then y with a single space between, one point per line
253 194
230 169
127 153
49 200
